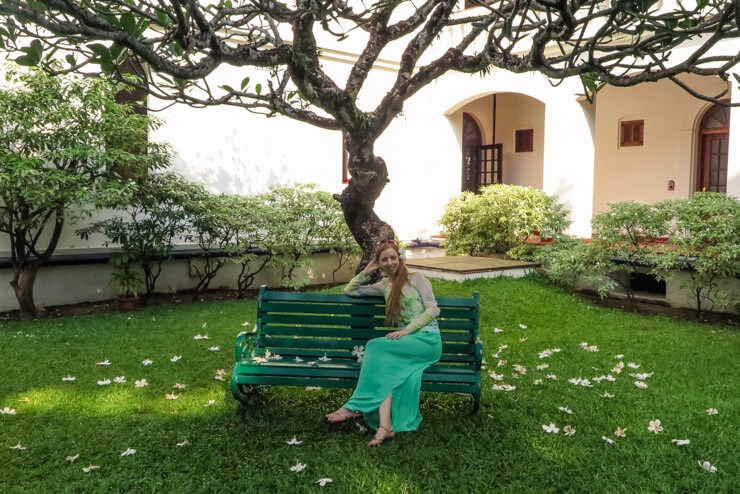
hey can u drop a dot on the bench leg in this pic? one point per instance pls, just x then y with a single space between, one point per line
242 393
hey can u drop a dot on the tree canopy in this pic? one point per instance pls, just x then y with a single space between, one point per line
178 47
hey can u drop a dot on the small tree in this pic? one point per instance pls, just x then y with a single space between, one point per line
253 243
214 227
61 140
303 220
705 237
150 219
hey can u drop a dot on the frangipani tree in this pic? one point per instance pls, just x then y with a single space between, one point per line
63 142
178 46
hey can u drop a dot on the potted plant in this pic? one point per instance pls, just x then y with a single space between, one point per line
127 282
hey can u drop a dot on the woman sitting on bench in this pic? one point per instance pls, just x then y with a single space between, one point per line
387 392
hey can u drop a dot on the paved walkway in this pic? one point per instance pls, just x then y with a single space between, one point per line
459 268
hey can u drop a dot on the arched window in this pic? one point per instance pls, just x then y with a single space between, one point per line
714 143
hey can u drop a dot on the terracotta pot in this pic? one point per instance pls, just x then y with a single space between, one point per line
128 303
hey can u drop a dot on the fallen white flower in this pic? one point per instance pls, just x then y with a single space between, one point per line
323 482
503 387
200 337
569 430
522 326
707 466
298 467
566 410
182 444
632 365
104 382
147 362
608 440
18 447
141 383
90 468
298 360
72 459
681 442
712 411
294 441
120 380
7 411
214 348
498 330
641 384
210 403
324 358
104 362
179 386
551 428
313 388
129 452
171 396
220 375
607 395
69 378
175 358
655 426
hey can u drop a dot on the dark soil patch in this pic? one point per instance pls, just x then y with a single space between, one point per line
648 309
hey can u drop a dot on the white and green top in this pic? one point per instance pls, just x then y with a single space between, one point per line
418 305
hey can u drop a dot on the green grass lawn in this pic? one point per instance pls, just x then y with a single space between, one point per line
202 442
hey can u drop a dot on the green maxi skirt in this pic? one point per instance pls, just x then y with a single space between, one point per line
395 366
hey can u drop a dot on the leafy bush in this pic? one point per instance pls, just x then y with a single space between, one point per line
699 236
499 220
304 219
149 220
705 236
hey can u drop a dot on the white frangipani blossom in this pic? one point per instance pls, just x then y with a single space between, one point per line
633 365
620 432
323 482
129 452
641 384
147 362
608 440
90 468
200 337
712 411
183 443
359 352
141 383
569 430
566 410
7 411
68 378
298 467
220 375
550 428
655 426
72 459
214 348
104 382
18 447
324 358
681 442
707 466
175 358
120 380
104 362
294 441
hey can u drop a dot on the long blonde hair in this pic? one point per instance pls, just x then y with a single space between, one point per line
398 281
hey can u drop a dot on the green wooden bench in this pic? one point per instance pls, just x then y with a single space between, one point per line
311 339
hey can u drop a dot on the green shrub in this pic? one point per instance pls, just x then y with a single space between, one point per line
499 220
699 236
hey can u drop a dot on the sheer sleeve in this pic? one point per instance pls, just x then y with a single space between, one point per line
431 311
357 288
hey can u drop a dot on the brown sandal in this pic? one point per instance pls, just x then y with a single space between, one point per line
339 416
377 441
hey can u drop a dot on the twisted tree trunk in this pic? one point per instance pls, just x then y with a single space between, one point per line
369 176
24 277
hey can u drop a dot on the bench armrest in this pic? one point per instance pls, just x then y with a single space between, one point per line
478 354
245 343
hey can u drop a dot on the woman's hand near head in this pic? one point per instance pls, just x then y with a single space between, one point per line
371 267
